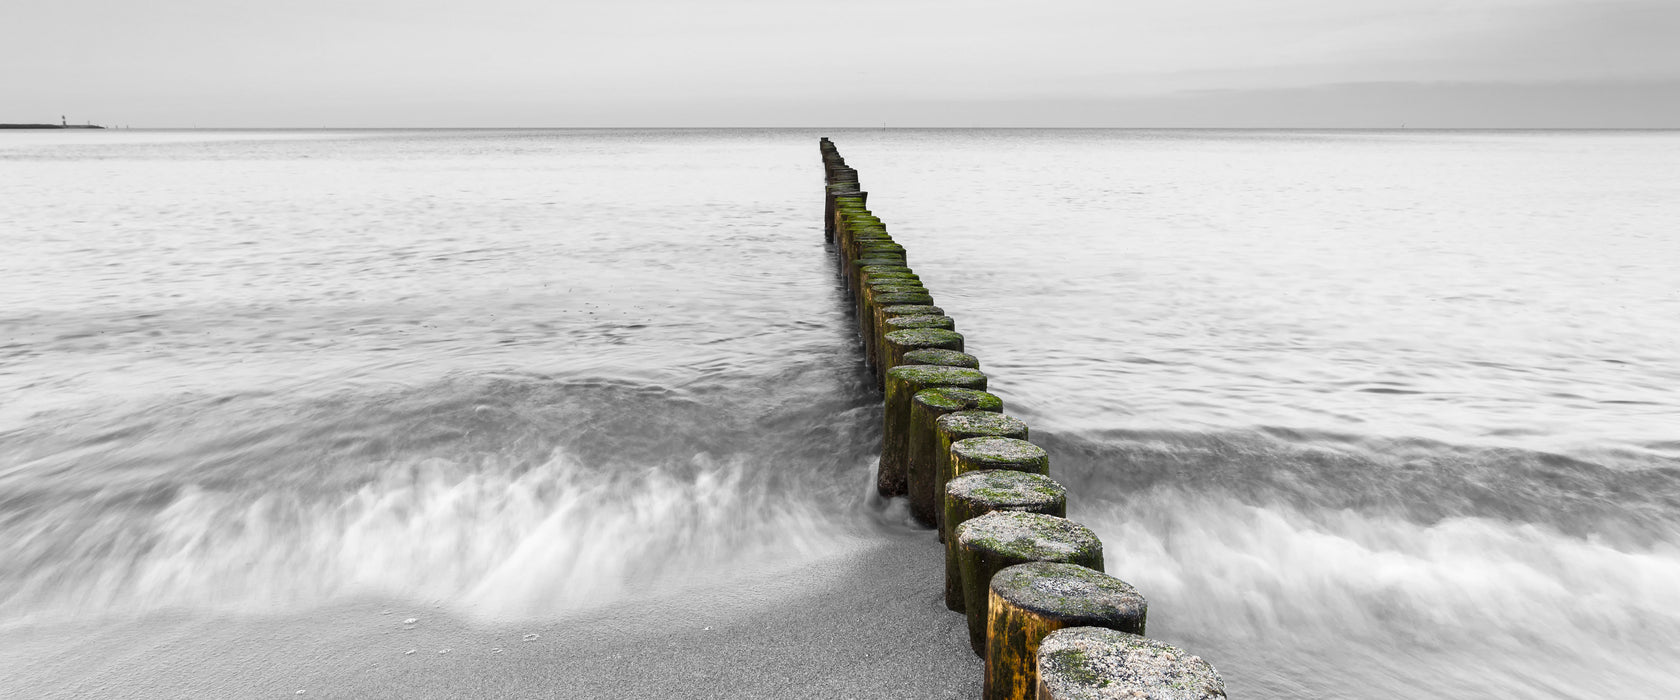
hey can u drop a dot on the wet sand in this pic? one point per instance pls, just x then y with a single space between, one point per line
870 624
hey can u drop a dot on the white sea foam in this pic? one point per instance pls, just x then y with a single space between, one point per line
1373 596
486 540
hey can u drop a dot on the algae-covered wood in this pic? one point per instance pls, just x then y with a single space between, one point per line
903 383
940 356
1096 663
1026 602
992 542
977 493
926 407
962 425
895 343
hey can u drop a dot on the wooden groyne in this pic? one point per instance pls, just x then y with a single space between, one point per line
1050 624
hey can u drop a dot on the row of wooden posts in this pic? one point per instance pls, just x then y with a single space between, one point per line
1041 612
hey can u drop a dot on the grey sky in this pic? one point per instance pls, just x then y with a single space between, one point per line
865 62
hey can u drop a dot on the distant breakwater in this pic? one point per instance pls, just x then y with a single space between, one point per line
1048 621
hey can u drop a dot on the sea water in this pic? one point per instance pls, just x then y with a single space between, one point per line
1363 414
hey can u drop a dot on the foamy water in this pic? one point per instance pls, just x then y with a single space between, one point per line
1362 414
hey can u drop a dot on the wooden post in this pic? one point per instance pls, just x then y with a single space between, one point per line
1000 539
1096 663
853 269
903 383
870 287
964 425
872 341
939 356
974 454
1030 600
895 343
869 301
926 407
977 493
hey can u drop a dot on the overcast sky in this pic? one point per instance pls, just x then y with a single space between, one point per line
305 63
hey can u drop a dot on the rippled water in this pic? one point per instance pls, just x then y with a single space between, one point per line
1381 414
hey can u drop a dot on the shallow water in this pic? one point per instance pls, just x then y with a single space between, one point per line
1381 414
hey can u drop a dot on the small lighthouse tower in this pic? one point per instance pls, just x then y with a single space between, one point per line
63 121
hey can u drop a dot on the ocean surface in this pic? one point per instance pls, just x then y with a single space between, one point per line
1362 414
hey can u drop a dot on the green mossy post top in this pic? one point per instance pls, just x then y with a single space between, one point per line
913 310
898 323
880 259
896 298
1069 590
947 399
877 269
1001 488
915 337
868 275
1026 536
877 293
999 450
934 375
896 284
1097 663
972 424
937 356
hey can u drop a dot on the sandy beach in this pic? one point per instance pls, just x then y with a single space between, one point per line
870 624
